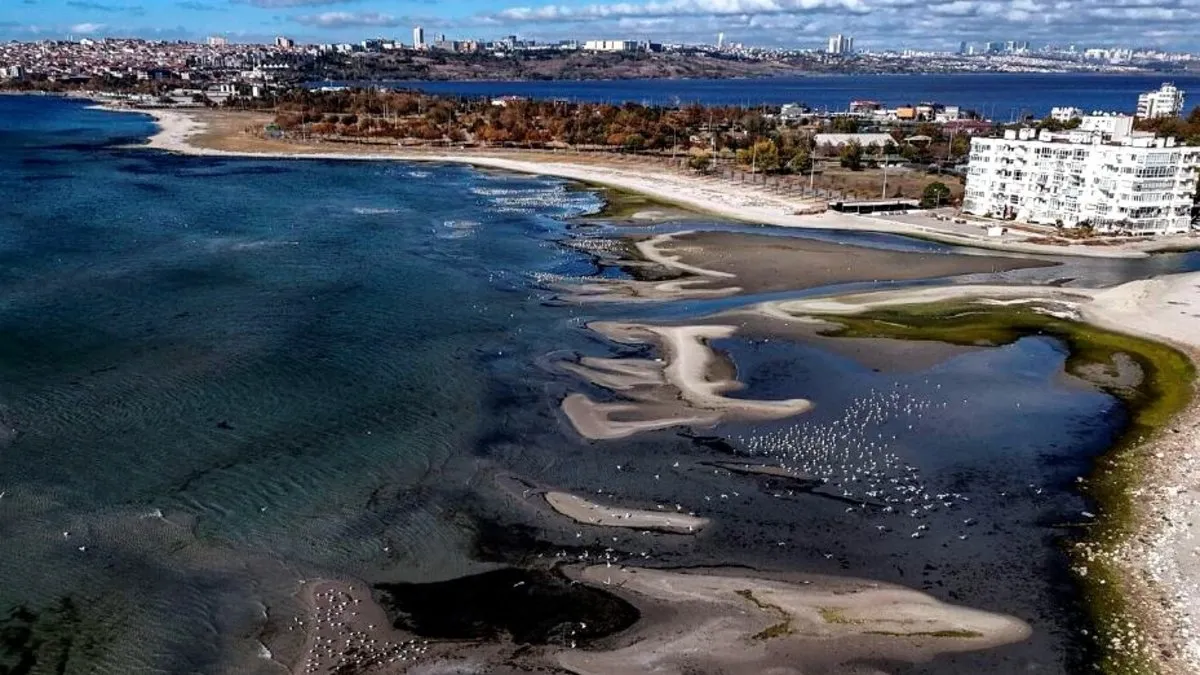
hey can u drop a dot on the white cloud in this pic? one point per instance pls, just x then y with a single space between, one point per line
282 4
873 23
347 20
87 28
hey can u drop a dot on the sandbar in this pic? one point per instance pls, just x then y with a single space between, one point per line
686 388
590 513
731 622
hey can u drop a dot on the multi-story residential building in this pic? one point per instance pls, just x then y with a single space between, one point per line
1065 114
418 37
610 46
1132 182
840 44
1167 101
285 42
1109 125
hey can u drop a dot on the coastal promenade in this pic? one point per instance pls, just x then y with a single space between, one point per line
204 133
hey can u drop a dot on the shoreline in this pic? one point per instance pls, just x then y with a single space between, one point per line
1148 308
176 130
1151 557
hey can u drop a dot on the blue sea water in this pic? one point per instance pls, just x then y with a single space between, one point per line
998 96
221 376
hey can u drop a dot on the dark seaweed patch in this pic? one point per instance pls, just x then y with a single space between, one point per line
528 606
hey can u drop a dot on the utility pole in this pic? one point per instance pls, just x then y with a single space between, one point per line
884 162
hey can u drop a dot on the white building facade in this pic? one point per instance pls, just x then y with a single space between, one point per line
610 46
1139 184
1065 114
1167 101
840 44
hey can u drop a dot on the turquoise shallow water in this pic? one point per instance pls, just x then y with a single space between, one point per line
218 377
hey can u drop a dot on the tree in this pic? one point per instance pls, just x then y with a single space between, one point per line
701 163
960 146
801 160
934 195
851 156
762 156
845 125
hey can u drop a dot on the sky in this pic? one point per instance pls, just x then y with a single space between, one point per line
875 24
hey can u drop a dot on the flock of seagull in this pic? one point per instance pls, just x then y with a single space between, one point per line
855 459
340 645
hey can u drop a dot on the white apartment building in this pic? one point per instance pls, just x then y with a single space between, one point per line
418 37
1167 101
1065 114
610 46
1111 126
840 44
1136 183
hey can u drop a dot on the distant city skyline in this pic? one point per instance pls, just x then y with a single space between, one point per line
931 24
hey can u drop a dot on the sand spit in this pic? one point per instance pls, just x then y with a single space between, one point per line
585 512
695 282
590 513
1160 571
179 131
632 290
694 264
846 305
651 249
714 622
683 389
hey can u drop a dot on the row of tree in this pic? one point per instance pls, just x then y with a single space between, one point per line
752 137
1186 129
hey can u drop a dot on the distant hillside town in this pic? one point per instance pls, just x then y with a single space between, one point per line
439 57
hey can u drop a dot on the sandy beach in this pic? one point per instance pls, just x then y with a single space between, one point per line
188 132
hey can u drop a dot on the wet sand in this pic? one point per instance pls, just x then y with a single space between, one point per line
590 513
685 388
727 621
693 265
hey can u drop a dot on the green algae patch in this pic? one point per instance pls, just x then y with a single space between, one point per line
623 204
777 630
834 615
1164 390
